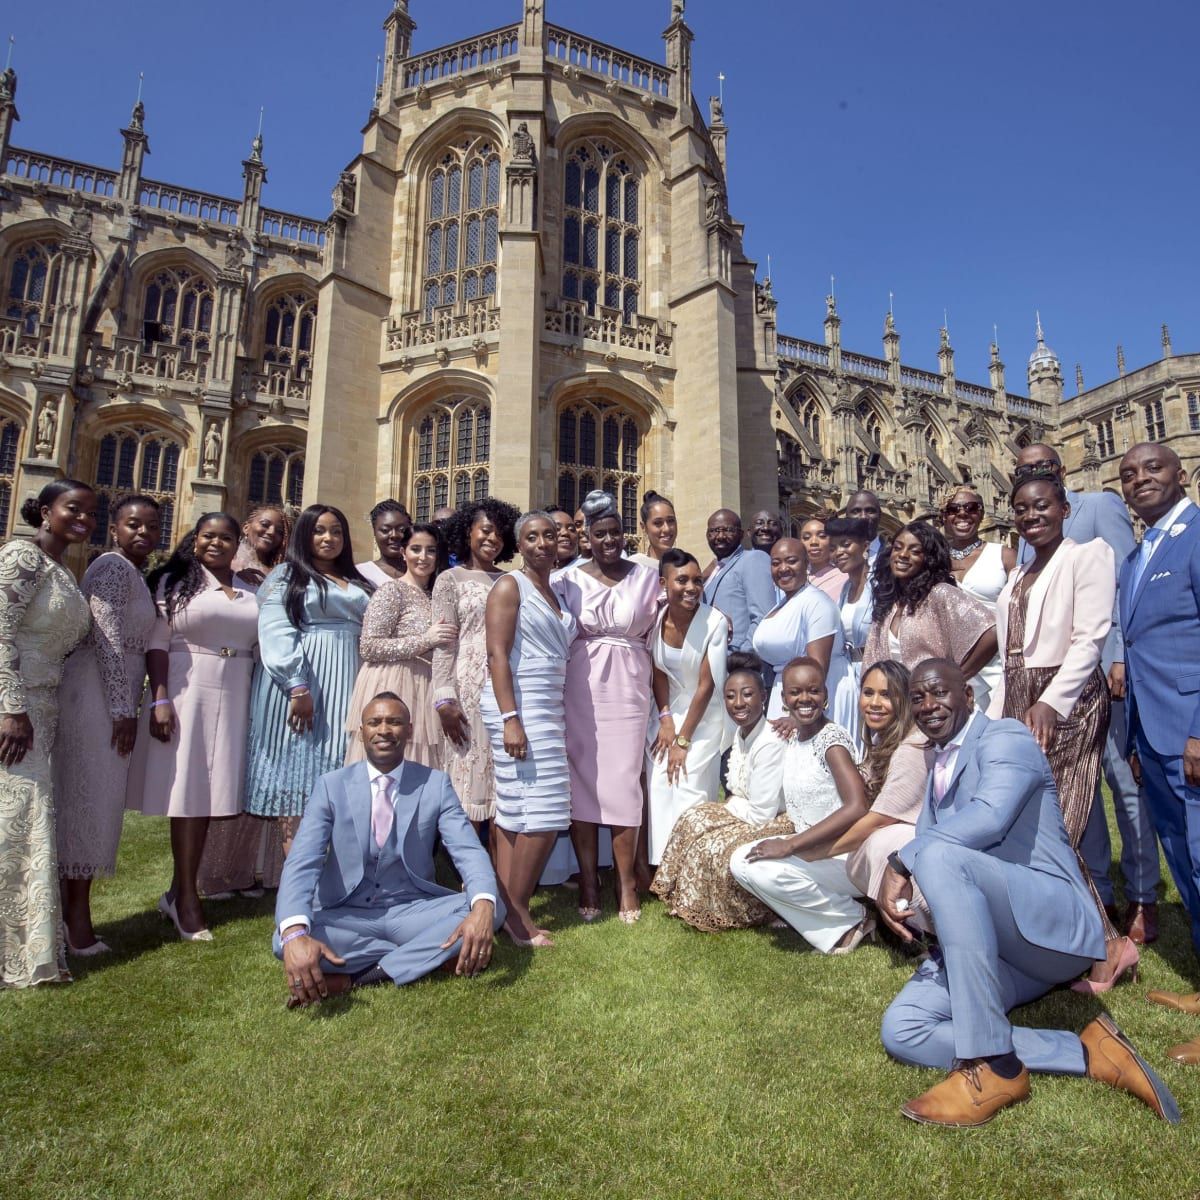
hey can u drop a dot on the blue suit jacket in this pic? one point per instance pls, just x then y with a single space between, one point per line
1162 640
1098 515
1002 800
745 592
331 849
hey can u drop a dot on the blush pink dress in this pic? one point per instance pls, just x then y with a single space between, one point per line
608 692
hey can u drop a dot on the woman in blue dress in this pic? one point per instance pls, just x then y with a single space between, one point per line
310 617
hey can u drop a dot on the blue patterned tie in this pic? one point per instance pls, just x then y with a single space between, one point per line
1147 548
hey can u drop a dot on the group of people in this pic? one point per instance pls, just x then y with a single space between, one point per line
829 731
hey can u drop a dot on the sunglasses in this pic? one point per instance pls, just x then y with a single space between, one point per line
1044 467
971 509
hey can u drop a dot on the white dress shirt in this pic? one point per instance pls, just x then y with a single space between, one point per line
954 745
1164 523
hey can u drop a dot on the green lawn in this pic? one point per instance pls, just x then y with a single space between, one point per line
635 1063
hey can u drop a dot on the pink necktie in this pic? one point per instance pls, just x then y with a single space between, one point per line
941 772
382 813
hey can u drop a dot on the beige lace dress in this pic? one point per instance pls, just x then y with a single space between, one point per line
43 617
102 678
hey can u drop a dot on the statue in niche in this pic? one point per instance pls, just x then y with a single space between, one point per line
212 451
716 203
1089 443
235 253
522 144
47 427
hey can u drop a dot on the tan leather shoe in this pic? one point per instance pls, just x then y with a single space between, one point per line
1141 923
1184 1002
1187 1053
1112 1059
972 1094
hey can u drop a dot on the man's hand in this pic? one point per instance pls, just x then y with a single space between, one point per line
302 966
894 888
1135 767
1191 762
1116 681
475 929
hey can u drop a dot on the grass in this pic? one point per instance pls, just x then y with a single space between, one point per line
625 1064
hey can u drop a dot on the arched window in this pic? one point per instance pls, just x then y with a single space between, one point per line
288 337
1193 402
453 452
136 460
602 229
177 310
869 419
33 282
276 477
789 457
932 441
10 446
1024 439
462 227
598 440
1106 442
1156 425
808 409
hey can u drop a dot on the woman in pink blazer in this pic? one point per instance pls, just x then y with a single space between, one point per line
1051 621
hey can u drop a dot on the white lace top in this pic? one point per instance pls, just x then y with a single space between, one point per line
122 620
809 790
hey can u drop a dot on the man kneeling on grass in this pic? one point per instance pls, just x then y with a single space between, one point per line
358 891
1013 916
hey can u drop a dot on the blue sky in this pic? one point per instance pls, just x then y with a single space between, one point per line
983 160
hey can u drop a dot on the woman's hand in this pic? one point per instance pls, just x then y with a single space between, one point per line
665 740
770 850
124 734
1042 721
300 712
785 727
16 738
163 721
443 633
676 763
454 723
515 741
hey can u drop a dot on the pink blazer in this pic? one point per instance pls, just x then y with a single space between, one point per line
1067 617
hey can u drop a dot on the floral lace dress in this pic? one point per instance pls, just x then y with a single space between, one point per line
43 617
104 675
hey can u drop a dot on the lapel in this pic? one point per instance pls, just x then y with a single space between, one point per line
722 573
1075 500
404 808
358 800
1164 556
1040 589
978 725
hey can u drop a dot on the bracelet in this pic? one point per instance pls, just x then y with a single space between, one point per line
440 704
293 935
508 716
301 689
664 713
160 703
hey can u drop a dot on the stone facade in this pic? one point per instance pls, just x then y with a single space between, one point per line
530 284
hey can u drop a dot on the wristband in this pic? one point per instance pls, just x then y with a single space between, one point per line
293 935
440 704
508 716
160 703
664 713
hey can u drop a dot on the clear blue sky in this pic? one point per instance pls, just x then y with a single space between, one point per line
989 160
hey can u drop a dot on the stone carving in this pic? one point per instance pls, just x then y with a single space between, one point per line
137 119
256 148
8 84
345 193
716 203
944 338
830 306
889 324
522 146
47 427
443 356
212 451
677 10
716 111
1089 443
235 253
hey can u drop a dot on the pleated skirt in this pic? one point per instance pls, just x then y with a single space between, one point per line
533 794
282 766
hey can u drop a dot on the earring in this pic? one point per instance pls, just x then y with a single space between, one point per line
45 526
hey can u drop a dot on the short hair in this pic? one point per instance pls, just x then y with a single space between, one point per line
124 502
1039 477
524 519
386 696
804 660
851 527
458 526
675 558
388 506
598 506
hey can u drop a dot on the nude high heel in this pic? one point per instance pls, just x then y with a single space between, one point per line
1127 960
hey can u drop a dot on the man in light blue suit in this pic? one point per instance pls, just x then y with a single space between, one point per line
1102 515
1012 914
358 889
740 586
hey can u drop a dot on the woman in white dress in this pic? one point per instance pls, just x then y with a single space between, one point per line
684 758
849 539
529 635
824 795
980 568
805 624
391 525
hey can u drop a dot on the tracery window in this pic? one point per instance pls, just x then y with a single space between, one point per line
1106 443
1193 401
869 420
454 450
276 477
288 332
599 446
790 463
136 460
178 310
932 441
602 229
1156 425
33 283
462 227
810 417
10 445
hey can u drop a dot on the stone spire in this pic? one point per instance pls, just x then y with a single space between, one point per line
254 175
1120 359
397 33
8 106
995 365
137 146
678 39
1045 371
1166 341
1079 379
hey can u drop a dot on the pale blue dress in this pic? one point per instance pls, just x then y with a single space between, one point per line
533 794
282 766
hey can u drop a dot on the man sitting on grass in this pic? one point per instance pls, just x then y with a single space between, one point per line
1013 917
358 889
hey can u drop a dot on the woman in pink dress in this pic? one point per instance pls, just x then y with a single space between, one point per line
608 695
200 661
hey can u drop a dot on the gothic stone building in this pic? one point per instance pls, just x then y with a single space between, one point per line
530 284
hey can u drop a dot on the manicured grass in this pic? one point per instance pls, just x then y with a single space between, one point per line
625 1064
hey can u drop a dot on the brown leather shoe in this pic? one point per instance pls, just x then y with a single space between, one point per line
1141 923
1184 1002
1112 1059
972 1094
1187 1053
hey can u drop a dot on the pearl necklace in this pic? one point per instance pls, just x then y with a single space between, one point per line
967 551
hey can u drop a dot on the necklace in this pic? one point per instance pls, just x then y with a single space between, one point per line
966 551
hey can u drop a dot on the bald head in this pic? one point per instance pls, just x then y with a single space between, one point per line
865 506
941 699
1152 480
724 532
765 530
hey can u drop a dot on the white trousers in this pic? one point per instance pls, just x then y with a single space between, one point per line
815 898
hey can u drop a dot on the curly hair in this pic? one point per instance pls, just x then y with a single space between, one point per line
877 755
182 575
908 595
457 530
286 527
301 570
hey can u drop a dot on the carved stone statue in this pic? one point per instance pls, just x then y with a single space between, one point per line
8 84
345 193
212 451
677 10
944 338
830 306
256 148
1089 443
716 111
889 324
235 253
522 144
47 426
716 203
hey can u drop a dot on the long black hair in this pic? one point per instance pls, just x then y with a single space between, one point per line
457 529
182 574
299 566
911 593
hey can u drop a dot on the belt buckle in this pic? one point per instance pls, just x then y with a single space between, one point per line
226 652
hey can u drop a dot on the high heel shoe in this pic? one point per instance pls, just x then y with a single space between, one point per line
630 916
588 914
540 940
864 932
166 906
97 947
1127 960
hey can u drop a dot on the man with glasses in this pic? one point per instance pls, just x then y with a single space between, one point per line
1102 515
740 583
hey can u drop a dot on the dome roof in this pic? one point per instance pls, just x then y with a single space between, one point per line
1042 354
